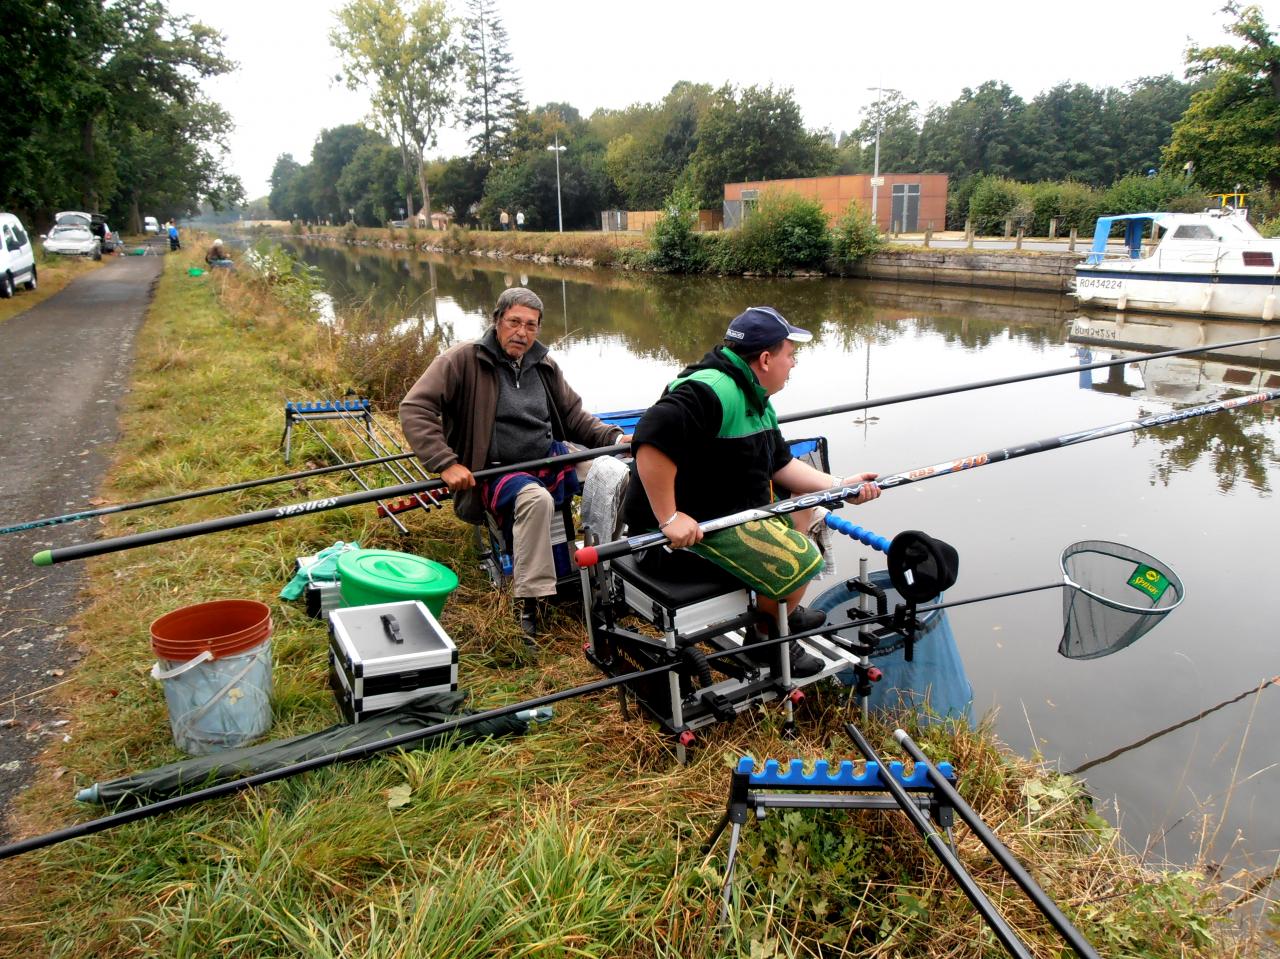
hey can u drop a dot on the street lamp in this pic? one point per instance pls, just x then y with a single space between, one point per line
557 150
876 181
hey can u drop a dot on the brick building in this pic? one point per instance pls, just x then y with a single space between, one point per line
912 201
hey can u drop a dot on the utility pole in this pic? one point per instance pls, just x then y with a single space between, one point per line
557 150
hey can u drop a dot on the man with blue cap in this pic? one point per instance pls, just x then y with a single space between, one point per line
710 446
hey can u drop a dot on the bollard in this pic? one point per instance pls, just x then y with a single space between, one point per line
1008 227
1053 227
1018 244
928 236
1071 245
968 233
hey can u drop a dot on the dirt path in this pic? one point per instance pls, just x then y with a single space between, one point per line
64 367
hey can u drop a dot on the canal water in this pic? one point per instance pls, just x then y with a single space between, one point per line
1199 496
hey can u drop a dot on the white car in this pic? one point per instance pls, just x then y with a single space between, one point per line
17 260
72 237
150 225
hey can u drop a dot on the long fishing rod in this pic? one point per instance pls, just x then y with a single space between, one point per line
81 551
362 751
787 418
1018 378
590 555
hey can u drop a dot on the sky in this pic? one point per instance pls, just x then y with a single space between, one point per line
605 55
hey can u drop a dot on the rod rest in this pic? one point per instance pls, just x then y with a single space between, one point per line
328 406
843 777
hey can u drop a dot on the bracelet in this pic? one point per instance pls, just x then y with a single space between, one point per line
668 521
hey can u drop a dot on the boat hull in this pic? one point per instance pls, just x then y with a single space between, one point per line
1236 296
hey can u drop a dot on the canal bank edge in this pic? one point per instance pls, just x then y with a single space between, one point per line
1002 269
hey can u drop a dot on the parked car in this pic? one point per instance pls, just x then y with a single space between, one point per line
150 225
73 235
17 260
97 223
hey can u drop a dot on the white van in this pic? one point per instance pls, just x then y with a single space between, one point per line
17 260
150 225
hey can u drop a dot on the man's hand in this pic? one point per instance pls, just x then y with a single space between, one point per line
869 489
458 477
682 531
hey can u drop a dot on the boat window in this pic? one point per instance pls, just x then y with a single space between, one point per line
1258 258
1193 231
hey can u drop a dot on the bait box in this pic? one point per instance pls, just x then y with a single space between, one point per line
370 671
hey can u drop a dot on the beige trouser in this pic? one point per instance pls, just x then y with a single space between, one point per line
533 565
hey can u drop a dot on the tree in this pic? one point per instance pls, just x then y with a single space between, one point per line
757 134
408 60
333 150
899 137
1064 136
288 198
493 101
371 184
1231 132
978 132
459 185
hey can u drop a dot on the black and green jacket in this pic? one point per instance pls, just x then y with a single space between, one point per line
717 425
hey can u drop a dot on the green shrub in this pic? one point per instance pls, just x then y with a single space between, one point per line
281 274
996 200
784 232
350 232
854 236
1144 194
295 227
674 242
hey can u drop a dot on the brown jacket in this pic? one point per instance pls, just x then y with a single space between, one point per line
447 416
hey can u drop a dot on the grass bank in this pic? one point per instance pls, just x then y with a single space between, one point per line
52 273
581 838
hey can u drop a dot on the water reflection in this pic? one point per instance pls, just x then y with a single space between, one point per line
1197 493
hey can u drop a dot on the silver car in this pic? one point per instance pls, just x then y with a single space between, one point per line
72 235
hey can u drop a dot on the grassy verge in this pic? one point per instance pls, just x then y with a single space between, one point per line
53 273
582 838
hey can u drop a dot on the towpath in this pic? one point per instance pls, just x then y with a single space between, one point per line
64 368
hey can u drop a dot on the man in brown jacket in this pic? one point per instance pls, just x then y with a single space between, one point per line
500 400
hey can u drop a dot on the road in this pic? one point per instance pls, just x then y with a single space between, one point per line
65 367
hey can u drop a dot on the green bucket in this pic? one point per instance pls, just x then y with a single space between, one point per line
371 576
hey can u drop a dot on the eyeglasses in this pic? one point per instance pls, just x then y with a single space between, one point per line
530 326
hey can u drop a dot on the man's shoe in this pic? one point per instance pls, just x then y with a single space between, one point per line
803 663
802 619
527 616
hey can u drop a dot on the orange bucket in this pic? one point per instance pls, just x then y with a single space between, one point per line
223 627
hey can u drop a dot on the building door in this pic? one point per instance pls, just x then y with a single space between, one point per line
906 207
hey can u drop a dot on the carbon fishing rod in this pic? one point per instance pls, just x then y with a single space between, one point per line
83 550
1019 378
590 555
363 751
788 418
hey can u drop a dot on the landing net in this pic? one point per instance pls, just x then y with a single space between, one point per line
1114 594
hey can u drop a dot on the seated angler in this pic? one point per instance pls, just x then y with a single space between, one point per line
710 446
497 401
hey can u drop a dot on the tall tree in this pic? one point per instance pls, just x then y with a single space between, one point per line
895 116
757 134
493 101
1231 132
370 184
978 132
333 150
407 59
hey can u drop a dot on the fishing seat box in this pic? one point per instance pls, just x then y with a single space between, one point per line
384 655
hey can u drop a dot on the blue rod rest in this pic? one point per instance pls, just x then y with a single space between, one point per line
822 777
864 536
328 406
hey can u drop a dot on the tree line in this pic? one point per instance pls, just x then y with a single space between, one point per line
1214 131
103 111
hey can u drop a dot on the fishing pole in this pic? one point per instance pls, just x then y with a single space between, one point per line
1018 378
80 551
590 555
787 418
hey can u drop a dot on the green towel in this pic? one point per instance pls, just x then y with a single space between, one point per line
770 556
324 569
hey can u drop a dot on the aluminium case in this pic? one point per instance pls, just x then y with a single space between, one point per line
370 671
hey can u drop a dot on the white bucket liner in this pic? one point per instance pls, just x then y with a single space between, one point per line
217 703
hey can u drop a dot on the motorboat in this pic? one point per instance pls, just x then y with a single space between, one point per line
1211 264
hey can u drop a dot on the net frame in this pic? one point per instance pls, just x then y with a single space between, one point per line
1089 617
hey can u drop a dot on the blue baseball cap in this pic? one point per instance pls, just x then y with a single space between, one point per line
760 326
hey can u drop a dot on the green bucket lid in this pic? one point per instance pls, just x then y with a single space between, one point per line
383 574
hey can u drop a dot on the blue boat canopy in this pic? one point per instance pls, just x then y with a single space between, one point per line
1135 225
